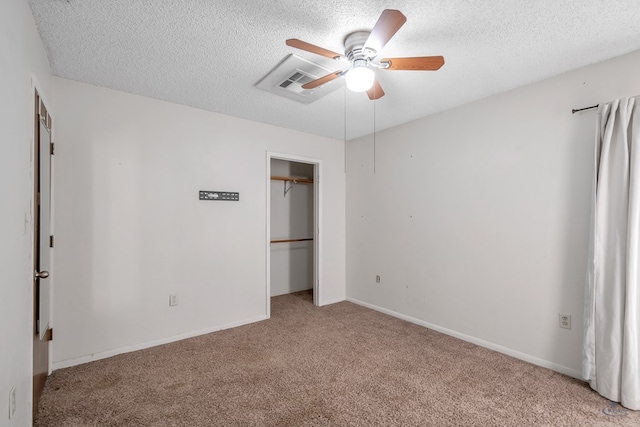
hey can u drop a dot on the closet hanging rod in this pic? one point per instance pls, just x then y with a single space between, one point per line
291 240
296 180
585 108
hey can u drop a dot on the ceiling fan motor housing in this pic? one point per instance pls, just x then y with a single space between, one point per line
354 46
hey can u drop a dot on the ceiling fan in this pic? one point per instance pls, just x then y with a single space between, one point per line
361 48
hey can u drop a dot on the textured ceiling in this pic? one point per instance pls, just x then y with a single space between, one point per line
210 54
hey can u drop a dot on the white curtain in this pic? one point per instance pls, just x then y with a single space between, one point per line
611 352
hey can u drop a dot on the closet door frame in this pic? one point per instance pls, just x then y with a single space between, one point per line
317 225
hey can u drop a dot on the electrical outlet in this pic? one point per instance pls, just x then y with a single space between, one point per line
565 321
12 402
173 300
377 279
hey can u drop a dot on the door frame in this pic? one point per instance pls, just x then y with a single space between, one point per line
317 225
40 348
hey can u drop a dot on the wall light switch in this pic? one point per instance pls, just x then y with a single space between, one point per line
173 300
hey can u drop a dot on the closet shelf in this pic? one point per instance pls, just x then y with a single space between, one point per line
291 240
289 178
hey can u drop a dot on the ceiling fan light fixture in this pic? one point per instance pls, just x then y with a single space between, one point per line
362 47
360 77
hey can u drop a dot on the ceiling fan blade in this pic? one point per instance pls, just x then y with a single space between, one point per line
388 24
376 91
322 80
429 63
299 44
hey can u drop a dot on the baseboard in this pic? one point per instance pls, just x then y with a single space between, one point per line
278 292
322 303
332 301
482 343
110 353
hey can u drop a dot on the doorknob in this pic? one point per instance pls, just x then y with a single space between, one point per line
41 274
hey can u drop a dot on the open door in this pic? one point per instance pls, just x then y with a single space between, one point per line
41 248
311 237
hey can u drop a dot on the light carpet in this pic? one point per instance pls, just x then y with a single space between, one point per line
339 365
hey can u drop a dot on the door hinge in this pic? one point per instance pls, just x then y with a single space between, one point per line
51 241
49 336
53 149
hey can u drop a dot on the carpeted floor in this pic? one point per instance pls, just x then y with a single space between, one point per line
340 365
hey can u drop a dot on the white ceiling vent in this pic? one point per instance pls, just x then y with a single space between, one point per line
287 78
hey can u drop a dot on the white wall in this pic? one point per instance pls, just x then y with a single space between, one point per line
477 218
291 218
21 53
130 229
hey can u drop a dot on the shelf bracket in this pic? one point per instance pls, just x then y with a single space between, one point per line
286 190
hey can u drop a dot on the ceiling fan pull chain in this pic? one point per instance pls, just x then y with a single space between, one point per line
345 129
374 134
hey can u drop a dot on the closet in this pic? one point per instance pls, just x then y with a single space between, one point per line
292 220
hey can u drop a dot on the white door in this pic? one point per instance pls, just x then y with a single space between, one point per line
41 250
44 256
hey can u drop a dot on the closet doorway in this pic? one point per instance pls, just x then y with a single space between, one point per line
293 226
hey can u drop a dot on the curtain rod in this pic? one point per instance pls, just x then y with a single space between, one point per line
585 108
